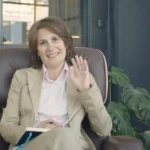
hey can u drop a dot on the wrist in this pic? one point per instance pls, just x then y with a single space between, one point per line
85 89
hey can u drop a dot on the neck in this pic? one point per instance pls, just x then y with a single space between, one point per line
55 72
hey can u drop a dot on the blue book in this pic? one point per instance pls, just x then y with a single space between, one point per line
35 132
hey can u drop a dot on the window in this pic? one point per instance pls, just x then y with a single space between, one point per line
19 15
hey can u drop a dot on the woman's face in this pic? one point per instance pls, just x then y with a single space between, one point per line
51 49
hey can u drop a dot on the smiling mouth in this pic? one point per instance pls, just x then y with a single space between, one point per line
53 55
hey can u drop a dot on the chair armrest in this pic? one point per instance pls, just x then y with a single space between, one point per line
122 143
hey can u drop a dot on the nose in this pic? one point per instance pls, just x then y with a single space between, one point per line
50 46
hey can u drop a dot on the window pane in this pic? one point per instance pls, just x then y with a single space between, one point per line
18 12
42 9
42 2
14 32
20 1
17 20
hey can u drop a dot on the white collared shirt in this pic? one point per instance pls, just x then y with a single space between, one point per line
53 101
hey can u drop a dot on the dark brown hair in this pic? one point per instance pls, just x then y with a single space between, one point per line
55 25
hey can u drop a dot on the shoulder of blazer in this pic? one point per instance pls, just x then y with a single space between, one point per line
22 74
24 71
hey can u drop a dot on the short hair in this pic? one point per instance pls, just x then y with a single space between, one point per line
55 25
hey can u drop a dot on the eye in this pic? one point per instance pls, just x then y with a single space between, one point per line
55 39
42 42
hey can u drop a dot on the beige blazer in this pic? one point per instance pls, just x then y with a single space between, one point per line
23 103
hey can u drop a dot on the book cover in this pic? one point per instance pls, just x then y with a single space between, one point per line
35 132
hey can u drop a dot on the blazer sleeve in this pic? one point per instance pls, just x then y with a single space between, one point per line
99 118
9 125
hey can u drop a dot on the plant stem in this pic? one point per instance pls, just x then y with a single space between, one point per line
110 84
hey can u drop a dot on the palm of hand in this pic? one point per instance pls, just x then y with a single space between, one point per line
79 73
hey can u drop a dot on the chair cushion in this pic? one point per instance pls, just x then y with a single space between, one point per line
10 61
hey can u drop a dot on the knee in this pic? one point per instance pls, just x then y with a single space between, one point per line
63 132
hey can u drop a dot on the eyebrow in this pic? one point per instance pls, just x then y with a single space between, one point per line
42 40
55 36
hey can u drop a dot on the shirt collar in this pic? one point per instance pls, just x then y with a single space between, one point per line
65 72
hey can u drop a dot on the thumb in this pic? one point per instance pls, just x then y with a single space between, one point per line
71 71
56 124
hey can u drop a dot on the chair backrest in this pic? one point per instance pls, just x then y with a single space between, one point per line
12 59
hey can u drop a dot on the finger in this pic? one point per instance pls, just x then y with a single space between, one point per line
45 125
41 125
57 124
74 63
75 67
46 121
81 62
78 62
86 68
50 126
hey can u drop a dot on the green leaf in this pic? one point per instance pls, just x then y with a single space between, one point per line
118 76
144 114
145 138
135 99
121 119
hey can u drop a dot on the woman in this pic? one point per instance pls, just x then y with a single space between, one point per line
54 93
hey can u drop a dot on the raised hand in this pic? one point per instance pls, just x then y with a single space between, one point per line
79 73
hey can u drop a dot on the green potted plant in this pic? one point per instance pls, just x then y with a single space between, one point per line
134 102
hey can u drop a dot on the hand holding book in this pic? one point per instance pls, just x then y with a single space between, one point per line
41 128
49 124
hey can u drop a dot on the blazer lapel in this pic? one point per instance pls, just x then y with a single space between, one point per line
73 104
35 84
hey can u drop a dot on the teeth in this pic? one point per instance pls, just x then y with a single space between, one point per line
51 56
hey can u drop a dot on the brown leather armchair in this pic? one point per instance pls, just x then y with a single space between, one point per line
12 59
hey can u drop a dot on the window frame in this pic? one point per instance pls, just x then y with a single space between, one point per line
1 9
